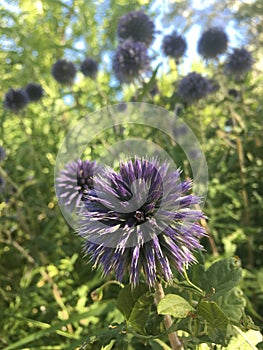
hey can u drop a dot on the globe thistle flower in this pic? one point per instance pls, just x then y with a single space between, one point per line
234 93
72 181
194 87
122 106
89 68
2 154
130 60
212 43
16 100
64 71
174 45
34 91
140 219
136 26
239 62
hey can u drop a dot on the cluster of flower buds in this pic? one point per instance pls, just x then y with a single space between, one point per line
64 71
16 99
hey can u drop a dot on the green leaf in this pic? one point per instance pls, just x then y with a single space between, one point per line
249 340
128 297
135 305
233 304
150 84
141 312
106 337
174 305
56 328
222 276
216 319
212 313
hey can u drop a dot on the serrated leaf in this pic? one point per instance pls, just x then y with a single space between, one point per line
174 305
212 313
222 276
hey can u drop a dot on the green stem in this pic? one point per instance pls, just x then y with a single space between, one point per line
192 284
245 338
97 293
242 174
112 282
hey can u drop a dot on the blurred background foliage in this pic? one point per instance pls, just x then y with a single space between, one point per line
45 283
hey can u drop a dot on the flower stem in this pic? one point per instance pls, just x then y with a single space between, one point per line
173 338
240 153
192 284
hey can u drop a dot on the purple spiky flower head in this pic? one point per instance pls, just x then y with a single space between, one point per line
194 87
212 43
16 100
34 91
140 219
89 67
174 45
239 62
130 60
72 181
137 26
64 71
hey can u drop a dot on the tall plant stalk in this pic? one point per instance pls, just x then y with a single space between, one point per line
242 176
173 337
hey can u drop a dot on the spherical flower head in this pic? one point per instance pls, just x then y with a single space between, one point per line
64 71
174 45
234 93
122 106
34 91
130 60
2 153
16 100
194 87
89 67
212 43
140 219
73 181
240 61
136 26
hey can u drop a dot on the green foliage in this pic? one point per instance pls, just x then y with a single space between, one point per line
45 284
135 305
211 315
174 305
